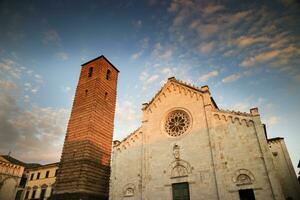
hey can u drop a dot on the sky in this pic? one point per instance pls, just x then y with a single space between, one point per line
247 53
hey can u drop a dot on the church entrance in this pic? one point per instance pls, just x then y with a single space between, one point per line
247 194
180 191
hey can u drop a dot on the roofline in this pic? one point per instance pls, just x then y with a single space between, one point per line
102 56
275 138
44 166
213 101
174 80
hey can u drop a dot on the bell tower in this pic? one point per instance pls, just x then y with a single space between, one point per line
84 169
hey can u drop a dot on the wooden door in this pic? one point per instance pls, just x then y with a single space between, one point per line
180 191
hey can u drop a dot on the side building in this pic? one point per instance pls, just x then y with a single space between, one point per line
40 182
284 168
11 171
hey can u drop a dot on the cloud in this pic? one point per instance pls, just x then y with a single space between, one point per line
262 57
9 67
166 70
135 56
51 37
209 75
26 132
231 78
162 53
206 47
273 120
147 79
144 43
240 106
245 41
152 78
137 23
7 85
127 117
66 89
62 56
30 129
211 9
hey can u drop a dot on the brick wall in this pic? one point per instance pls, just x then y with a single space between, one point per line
85 162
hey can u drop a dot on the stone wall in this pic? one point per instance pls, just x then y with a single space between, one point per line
218 153
284 168
10 176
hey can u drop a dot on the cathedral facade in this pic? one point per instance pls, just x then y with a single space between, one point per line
188 148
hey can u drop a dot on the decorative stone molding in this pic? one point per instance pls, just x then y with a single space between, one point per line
179 168
234 119
128 141
129 190
176 122
232 112
243 177
275 140
174 85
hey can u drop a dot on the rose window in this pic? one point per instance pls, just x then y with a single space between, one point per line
177 123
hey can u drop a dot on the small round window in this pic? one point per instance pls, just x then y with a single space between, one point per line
177 123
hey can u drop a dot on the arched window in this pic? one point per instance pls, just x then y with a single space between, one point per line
108 74
91 71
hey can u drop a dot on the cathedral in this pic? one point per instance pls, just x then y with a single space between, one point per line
186 148
189 148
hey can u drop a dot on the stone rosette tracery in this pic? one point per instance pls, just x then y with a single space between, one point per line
177 123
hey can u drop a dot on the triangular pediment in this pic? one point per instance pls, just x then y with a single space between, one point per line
174 85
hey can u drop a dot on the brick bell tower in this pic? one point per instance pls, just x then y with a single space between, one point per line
84 169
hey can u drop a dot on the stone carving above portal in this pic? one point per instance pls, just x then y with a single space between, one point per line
179 171
177 123
179 168
243 177
176 152
129 190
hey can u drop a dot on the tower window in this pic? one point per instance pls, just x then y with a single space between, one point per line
91 71
86 92
105 95
108 74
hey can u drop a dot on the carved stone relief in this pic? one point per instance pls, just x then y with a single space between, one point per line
243 177
179 167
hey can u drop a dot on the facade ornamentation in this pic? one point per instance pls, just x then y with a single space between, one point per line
176 152
183 122
177 123
243 177
179 168
179 171
129 190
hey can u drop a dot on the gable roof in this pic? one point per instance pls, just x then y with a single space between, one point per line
102 56
173 79
15 161
12 160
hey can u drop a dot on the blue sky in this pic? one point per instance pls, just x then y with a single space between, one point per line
248 54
